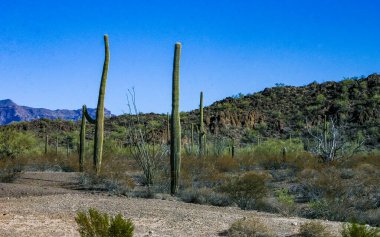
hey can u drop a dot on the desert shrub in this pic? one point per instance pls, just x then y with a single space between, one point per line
205 196
286 201
8 175
282 175
357 230
247 189
13 143
347 173
198 173
248 228
371 217
227 164
319 208
270 155
96 224
313 229
90 181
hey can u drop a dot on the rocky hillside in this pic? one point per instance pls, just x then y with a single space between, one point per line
284 111
11 112
280 112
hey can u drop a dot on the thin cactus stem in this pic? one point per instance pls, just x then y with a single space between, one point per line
192 138
167 129
67 147
232 148
175 139
56 145
201 128
284 151
46 143
82 139
325 130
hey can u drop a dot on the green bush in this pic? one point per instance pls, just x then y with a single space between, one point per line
97 224
247 190
13 143
357 230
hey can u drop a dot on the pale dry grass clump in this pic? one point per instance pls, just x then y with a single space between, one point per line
313 229
248 228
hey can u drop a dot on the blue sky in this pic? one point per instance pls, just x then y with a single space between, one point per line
51 52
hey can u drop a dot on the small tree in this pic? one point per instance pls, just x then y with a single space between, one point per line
330 142
146 156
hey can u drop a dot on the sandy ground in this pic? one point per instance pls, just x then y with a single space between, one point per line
45 204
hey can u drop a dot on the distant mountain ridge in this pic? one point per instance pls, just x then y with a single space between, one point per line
12 112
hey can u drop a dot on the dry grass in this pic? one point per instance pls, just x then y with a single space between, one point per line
248 228
313 229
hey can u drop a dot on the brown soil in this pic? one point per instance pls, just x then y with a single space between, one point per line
45 204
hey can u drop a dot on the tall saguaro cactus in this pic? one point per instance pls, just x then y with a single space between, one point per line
82 139
201 128
167 129
175 138
99 120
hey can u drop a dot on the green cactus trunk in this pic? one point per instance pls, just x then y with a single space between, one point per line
175 139
284 151
56 145
99 120
201 128
325 131
192 138
167 129
67 146
232 148
46 143
99 125
82 139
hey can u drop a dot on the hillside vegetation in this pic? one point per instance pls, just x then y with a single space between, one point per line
261 152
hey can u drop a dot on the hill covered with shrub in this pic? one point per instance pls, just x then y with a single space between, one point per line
283 112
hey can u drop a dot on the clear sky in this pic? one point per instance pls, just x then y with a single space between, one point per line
51 52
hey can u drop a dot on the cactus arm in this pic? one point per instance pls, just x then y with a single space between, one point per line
87 115
175 138
99 125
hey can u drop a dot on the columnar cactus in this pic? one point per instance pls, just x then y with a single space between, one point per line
46 143
232 148
56 145
175 138
99 121
167 129
82 139
192 138
201 128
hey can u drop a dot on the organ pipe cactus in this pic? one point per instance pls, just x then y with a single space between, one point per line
175 138
201 128
99 120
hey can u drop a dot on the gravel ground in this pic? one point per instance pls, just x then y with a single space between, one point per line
45 204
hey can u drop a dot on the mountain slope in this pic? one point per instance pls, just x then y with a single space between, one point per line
11 112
